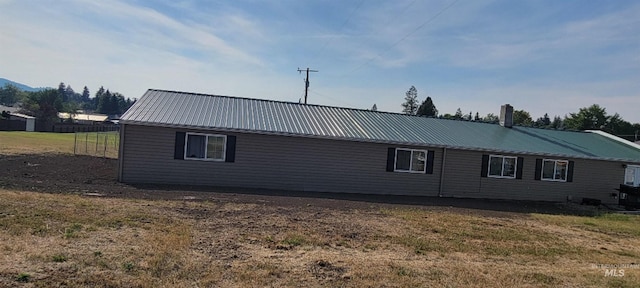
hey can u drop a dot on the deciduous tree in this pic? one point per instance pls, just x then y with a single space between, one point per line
592 117
491 118
44 105
522 118
10 94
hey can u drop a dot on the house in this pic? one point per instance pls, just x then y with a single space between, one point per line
17 122
9 109
195 139
83 118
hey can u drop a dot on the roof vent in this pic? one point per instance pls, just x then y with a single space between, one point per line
506 116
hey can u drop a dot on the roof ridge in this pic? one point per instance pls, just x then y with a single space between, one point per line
353 109
288 102
346 108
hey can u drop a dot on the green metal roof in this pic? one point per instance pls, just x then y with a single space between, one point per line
181 109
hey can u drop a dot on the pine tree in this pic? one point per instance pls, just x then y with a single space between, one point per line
62 91
427 108
69 94
458 115
410 105
100 92
85 95
96 100
543 122
557 123
103 101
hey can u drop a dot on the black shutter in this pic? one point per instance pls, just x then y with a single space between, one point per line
430 155
485 166
570 172
391 159
520 165
179 146
538 175
231 149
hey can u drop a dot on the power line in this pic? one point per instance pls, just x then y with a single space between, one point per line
406 36
326 43
306 82
390 20
398 15
349 104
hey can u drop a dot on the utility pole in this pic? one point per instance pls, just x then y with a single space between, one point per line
306 82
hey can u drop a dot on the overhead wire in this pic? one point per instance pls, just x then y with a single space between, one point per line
331 98
406 36
387 23
326 43
401 12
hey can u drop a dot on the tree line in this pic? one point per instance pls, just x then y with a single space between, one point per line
45 104
593 117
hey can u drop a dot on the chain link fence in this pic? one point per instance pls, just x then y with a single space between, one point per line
100 144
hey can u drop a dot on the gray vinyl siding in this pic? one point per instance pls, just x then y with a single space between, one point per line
591 179
462 174
274 162
322 165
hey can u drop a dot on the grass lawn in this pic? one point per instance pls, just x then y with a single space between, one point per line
19 142
53 240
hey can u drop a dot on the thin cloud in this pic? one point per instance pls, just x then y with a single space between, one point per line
176 33
478 54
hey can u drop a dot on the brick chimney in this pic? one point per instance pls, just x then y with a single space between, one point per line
506 116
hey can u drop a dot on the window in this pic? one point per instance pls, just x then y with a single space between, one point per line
205 147
555 170
632 175
502 166
409 160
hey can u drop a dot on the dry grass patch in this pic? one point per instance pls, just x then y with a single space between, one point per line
65 240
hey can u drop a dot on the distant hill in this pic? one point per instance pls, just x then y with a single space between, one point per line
20 86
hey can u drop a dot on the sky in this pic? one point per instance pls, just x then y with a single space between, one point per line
541 56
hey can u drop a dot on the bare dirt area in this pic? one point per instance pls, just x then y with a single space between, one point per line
87 175
88 230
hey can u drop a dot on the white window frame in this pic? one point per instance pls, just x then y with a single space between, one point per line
515 167
635 169
206 144
395 161
555 167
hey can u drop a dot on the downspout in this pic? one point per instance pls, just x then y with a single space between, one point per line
444 158
121 152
